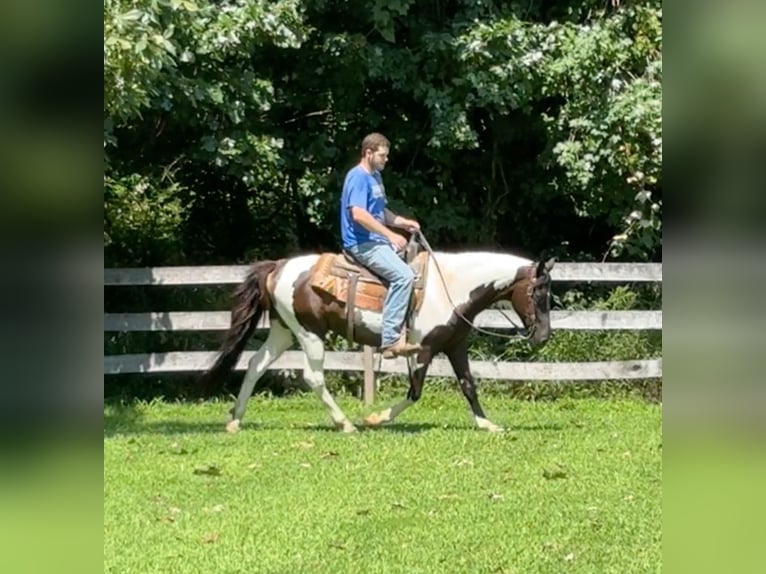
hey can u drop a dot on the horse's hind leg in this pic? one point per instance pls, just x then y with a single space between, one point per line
313 374
279 340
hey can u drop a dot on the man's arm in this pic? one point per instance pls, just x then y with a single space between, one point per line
366 220
399 221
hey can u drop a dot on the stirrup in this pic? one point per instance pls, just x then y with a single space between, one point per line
401 348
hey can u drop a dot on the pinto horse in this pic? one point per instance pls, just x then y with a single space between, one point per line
458 287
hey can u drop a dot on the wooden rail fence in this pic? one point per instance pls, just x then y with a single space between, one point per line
365 361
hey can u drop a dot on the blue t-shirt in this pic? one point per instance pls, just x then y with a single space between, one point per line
361 189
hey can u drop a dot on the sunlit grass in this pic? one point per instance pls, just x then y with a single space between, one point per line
572 486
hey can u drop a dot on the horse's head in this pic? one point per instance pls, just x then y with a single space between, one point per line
531 299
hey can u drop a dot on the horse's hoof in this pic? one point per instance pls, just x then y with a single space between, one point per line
232 427
347 427
372 420
488 426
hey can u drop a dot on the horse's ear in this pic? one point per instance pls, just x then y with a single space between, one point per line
549 264
545 266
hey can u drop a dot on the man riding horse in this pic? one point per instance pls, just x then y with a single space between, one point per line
310 295
364 221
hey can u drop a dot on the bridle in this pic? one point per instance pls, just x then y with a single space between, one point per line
417 236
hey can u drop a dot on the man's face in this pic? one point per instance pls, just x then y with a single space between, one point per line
378 158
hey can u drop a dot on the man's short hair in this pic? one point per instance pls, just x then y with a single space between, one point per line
373 142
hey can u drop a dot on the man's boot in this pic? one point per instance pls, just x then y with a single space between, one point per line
401 348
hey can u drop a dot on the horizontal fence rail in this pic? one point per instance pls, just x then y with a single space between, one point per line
220 275
368 362
490 319
352 361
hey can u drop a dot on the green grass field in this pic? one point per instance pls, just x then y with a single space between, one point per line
571 486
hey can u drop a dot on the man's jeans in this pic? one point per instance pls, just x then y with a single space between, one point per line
381 259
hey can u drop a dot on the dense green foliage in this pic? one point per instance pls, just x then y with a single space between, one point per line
528 126
229 124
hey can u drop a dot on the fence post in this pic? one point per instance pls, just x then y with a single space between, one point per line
368 393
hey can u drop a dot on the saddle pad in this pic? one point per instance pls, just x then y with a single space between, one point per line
331 273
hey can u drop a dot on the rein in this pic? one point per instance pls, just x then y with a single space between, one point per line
420 237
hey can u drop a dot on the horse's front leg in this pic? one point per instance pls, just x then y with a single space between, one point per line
413 394
458 358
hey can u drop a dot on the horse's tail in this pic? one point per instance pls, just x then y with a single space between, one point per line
252 299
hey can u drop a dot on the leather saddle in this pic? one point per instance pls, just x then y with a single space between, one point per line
339 275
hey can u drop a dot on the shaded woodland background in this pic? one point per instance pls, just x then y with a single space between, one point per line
529 126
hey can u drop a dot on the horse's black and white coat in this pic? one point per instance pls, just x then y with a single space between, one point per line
462 285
